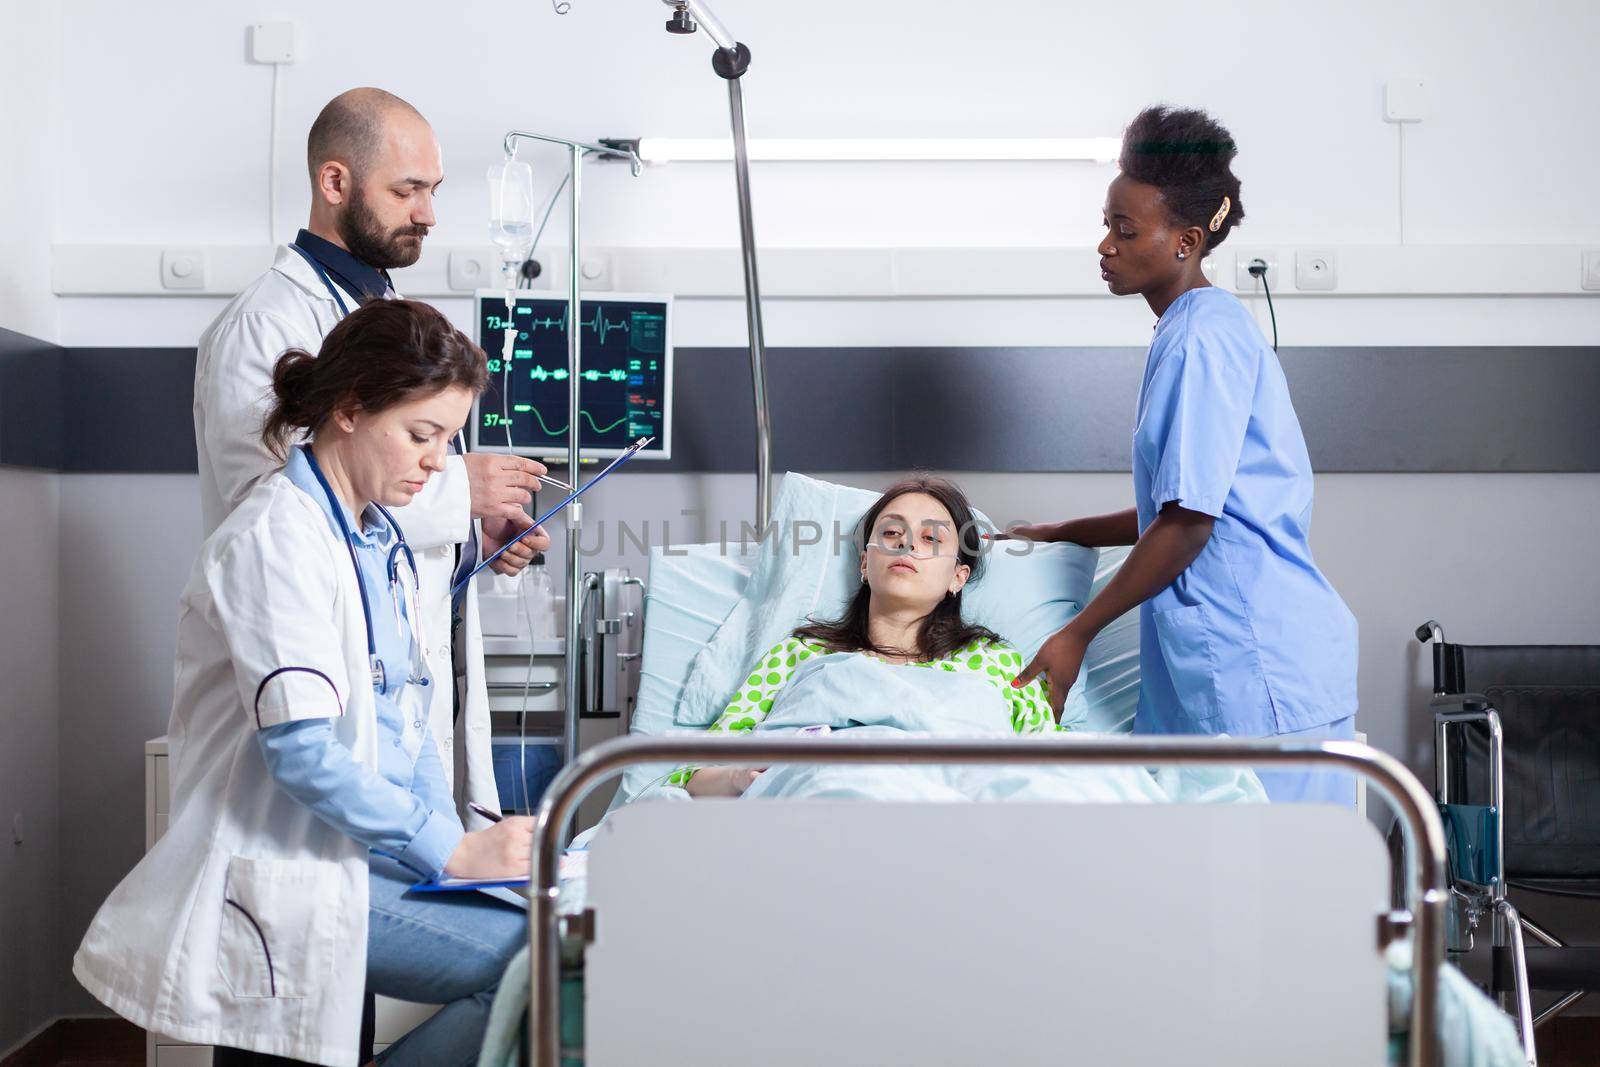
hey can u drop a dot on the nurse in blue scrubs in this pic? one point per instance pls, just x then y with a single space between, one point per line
1240 633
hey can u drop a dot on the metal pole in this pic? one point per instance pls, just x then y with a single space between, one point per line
752 297
1545 937
576 150
604 151
1424 831
1506 913
574 511
730 61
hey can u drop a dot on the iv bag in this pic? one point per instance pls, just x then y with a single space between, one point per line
511 209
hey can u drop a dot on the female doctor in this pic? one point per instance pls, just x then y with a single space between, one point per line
1240 633
307 794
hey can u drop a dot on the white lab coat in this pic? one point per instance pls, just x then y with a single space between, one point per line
289 307
246 924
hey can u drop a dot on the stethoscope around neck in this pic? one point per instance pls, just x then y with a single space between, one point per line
401 550
333 290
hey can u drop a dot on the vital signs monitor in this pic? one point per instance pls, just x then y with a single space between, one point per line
626 391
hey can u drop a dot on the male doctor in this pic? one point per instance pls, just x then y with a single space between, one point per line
375 166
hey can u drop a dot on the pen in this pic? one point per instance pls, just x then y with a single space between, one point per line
557 482
479 809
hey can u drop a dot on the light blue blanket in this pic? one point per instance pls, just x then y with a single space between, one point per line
1473 1031
856 696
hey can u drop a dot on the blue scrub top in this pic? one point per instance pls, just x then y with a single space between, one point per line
1250 640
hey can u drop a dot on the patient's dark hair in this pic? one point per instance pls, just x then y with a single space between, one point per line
382 354
1188 155
943 629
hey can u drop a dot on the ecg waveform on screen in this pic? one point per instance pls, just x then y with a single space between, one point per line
559 374
623 380
601 325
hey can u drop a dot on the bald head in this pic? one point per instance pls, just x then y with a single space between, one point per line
354 127
375 166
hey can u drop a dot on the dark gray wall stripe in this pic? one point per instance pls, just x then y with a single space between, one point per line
1448 409
987 409
128 410
1071 409
30 402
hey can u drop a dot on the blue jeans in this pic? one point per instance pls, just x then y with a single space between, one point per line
438 948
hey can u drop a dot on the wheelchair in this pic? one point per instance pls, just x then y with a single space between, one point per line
1516 732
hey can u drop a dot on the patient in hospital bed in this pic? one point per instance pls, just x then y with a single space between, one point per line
901 660
901 656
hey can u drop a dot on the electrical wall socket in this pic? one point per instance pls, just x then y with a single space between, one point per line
1591 270
1242 278
272 42
1405 100
596 271
1315 270
470 270
183 268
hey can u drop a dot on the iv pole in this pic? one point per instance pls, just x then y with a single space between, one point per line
576 150
730 61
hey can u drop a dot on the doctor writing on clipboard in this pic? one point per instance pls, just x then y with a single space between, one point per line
308 793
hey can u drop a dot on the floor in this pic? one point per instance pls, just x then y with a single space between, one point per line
83 1043
114 1043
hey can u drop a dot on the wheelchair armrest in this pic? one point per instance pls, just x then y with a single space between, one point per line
1460 704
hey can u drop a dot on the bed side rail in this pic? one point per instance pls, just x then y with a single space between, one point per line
1426 888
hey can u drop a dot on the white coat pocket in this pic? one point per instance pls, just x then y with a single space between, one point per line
279 921
1185 635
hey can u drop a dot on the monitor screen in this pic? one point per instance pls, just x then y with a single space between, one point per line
626 391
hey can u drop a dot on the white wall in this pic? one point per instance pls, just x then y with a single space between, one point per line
1499 160
162 132
30 125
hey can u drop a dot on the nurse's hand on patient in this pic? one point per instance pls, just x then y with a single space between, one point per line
504 850
501 484
722 781
497 532
1061 657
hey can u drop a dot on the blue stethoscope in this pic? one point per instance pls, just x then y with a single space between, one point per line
397 588
333 290
419 673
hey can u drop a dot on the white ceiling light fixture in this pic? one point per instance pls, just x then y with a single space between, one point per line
881 150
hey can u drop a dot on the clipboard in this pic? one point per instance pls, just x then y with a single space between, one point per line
452 885
572 864
631 451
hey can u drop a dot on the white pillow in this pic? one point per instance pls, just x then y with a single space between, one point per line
1023 593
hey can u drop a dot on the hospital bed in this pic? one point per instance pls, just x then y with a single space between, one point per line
1018 933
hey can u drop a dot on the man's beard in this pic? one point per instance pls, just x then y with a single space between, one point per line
367 240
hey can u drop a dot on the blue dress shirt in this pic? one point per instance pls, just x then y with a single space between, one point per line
360 280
